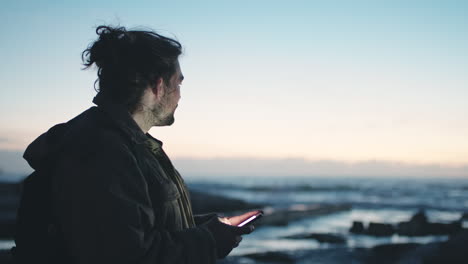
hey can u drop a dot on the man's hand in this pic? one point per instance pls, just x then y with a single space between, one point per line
226 232
236 220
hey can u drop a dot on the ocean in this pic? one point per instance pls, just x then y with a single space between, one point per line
382 200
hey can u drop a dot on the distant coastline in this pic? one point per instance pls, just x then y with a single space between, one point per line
14 167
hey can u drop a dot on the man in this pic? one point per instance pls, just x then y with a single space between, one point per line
115 195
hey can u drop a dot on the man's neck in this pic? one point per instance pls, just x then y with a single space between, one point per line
143 120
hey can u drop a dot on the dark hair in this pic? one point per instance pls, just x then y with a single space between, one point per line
128 61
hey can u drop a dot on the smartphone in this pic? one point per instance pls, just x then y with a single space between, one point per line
251 219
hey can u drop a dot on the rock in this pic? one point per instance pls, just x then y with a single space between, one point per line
464 217
417 226
389 253
443 229
7 229
272 257
420 253
334 255
357 228
410 229
321 237
5 256
419 218
327 255
379 229
453 251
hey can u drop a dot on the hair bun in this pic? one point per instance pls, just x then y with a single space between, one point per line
110 48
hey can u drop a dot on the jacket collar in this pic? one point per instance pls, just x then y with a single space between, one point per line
121 118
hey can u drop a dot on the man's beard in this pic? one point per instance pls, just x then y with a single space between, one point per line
160 117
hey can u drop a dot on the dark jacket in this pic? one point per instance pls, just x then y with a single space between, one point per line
116 196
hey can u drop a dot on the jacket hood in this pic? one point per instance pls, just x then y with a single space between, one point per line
40 152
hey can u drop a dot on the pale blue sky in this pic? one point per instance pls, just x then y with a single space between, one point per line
334 80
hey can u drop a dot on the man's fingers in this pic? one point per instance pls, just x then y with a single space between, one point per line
245 230
224 220
235 220
238 240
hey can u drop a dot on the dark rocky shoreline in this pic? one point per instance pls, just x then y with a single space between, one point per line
451 251
418 225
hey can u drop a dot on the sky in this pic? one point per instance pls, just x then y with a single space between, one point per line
346 82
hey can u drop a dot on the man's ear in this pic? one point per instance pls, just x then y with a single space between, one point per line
158 88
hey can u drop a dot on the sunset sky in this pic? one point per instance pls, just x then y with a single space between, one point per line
347 81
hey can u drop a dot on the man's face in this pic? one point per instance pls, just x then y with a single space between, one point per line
164 110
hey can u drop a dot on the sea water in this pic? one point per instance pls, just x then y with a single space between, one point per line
382 200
